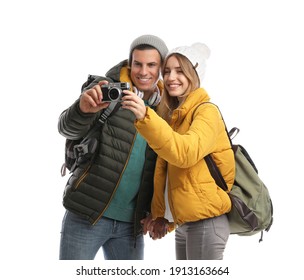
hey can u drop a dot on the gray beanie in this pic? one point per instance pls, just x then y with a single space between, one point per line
153 41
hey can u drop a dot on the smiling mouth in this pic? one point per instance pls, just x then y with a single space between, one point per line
144 80
173 86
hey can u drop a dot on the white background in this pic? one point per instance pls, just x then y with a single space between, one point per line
254 74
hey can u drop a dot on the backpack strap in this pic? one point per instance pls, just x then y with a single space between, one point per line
215 172
113 107
82 147
213 169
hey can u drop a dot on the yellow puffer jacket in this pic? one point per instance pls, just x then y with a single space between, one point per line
181 148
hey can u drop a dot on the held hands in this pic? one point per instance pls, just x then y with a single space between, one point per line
134 103
157 228
91 99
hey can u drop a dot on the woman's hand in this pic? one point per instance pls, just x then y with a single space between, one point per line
134 103
158 228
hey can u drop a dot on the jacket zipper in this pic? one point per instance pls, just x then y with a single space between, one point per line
83 176
101 214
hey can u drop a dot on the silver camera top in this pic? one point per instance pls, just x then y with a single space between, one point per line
112 92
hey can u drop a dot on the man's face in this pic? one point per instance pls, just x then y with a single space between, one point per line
145 69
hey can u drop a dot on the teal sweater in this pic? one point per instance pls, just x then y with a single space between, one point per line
122 206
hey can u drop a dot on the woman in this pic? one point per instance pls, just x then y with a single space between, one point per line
186 129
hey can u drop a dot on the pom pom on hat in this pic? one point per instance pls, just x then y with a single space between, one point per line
197 54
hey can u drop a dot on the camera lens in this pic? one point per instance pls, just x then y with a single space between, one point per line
114 93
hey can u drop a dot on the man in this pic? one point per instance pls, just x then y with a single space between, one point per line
106 202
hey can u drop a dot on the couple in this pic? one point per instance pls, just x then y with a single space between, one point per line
150 174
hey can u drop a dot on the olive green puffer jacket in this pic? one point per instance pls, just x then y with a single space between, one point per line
90 189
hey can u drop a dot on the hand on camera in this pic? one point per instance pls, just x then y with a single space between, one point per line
134 103
91 99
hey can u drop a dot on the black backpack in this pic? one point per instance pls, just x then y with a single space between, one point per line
82 150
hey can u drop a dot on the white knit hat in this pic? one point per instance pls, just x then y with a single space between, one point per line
197 53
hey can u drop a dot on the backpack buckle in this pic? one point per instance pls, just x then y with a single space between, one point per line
80 150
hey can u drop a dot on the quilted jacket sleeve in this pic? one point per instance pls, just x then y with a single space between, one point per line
73 124
185 147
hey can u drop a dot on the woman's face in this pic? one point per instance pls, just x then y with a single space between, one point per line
175 81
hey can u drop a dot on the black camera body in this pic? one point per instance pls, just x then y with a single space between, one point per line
112 92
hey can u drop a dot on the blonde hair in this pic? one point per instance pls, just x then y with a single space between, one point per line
169 103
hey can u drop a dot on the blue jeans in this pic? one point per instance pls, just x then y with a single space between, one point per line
81 241
202 240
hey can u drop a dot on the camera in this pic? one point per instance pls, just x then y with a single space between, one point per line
112 92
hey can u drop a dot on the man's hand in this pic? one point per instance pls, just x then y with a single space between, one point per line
146 223
91 99
157 228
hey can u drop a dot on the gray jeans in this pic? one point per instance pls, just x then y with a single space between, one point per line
202 240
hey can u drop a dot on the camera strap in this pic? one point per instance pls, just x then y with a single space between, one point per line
113 107
107 112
